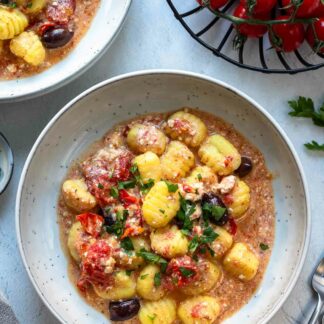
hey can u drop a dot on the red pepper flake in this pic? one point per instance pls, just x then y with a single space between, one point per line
127 199
91 223
188 188
228 199
228 160
196 311
233 226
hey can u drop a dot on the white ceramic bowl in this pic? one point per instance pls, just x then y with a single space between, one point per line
89 116
103 29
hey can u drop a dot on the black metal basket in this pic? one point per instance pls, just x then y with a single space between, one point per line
217 35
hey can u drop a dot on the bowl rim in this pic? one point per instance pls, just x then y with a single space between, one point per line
193 75
30 94
10 156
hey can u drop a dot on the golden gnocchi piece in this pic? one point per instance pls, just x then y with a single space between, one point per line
220 155
169 242
177 161
124 287
140 242
187 128
145 283
144 138
222 243
202 174
240 199
29 47
76 195
12 22
241 262
149 166
129 260
160 205
75 239
158 312
35 6
199 310
210 275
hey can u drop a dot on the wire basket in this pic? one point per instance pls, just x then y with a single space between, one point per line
217 35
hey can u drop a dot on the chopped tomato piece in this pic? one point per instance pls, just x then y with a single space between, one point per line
122 167
180 272
91 223
228 199
233 226
127 199
97 265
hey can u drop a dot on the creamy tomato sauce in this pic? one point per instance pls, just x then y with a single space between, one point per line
13 67
255 228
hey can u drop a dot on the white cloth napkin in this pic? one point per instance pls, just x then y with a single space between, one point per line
7 316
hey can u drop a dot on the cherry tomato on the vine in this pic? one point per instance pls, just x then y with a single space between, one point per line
286 37
246 29
306 9
315 36
258 6
319 12
215 4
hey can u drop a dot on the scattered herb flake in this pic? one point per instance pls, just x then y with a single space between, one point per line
157 279
152 317
264 247
127 244
114 192
128 272
172 187
142 277
186 272
187 208
199 177
217 212
145 187
314 146
162 211
100 186
153 258
194 243
129 184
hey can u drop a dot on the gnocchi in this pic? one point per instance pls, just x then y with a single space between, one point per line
187 128
12 23
239 199
220 155
177 161
144 138
222 243
160 205
159 312
241 262
145 284
124 286
169 242
76 238
199 310
202 174
149 166
76 195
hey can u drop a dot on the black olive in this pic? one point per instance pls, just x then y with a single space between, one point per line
212 199
245 168
123 310
57 36
178 222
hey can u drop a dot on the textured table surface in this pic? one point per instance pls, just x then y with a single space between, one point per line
152 38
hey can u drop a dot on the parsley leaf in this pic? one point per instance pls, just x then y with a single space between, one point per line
264 247
153 258
157 279
172 187
214 211
100 186
128 272
145 187
144 276
126 184
127 244
134 169
194 243
304 107
118 227
314 146
199 177
186 272
152 317
208 236
187 208
114 192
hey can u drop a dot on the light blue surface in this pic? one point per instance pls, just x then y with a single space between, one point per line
152 38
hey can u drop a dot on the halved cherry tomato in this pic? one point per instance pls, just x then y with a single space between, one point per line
256 7
319 12
91 223
286 37
61 11
249 30
233 226
315 36
306 9
214 4
97 265
181 271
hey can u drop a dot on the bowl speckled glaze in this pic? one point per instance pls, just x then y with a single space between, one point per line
86 118
103 29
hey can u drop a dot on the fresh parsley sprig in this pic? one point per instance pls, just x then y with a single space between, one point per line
153 258
304 107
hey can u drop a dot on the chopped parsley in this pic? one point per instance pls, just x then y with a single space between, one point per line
199 177
187 208
145 187
264 247
186 272
127 244
153 258
194 243
142 277
114 192
214 211
152 317
172 187
126 184
162 211
118 227
157 279
134 169
208 236
100 186
314 146
128 272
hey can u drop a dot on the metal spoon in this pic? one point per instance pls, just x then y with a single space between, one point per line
318 286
